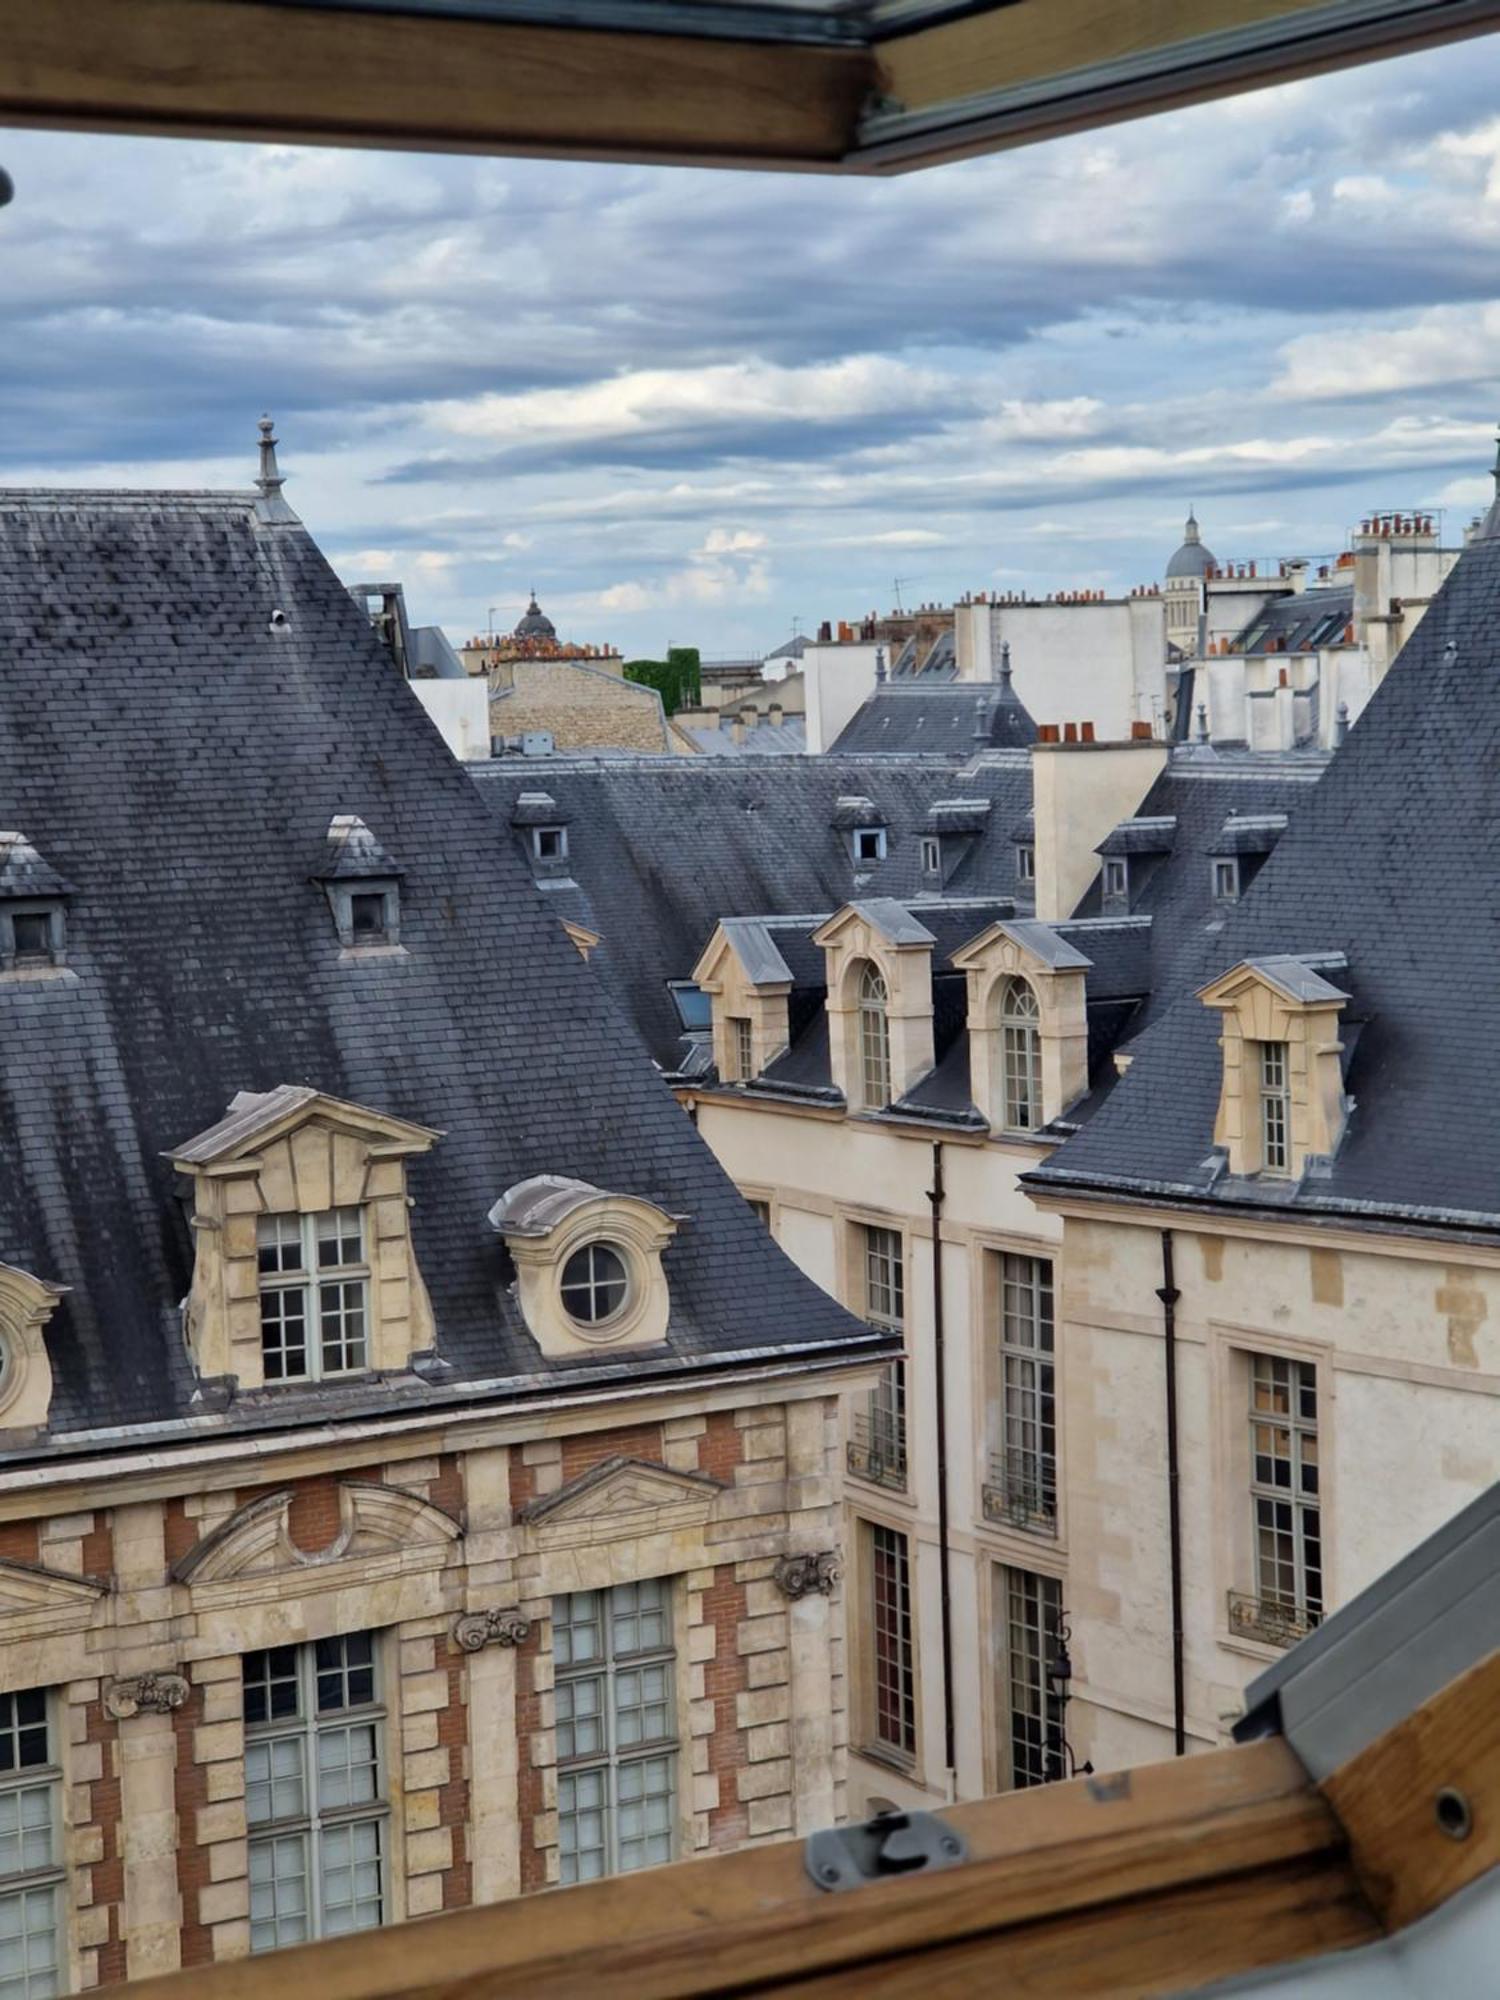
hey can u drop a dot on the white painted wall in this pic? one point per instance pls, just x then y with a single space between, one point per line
461 710
1100 663
838 679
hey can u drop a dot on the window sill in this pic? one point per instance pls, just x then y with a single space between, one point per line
359 954
39 975
898 1761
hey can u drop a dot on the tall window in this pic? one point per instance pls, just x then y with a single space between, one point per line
874 1041
1020 1057
1116 880
616 1729
877 1448
1275 1107
893 1715
1032 1609
315 1795
31 1872
1284 1490
314 1294
742 1047
1024 1488
1025 863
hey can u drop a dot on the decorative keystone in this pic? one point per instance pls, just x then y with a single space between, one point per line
801 1576
477 1629
145 1694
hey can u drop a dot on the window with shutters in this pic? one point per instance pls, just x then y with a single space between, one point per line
315 1790
615 1665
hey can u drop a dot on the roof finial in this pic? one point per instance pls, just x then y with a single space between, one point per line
879 665
1004 674
271 506
1202 722
1341 725
981 721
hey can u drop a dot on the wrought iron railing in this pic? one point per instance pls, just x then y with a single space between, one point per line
1022 1495
877 1448
1274 1621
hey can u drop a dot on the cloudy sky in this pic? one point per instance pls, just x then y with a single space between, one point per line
692 408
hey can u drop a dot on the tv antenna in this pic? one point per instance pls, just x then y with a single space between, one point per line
898 581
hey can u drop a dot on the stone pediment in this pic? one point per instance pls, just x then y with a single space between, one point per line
373 1521
623 1496
35 1602
256 1120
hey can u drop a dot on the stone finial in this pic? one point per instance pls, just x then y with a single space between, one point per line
1203 722
272 505
879 664
144 1694
807 1576
475 1630
981 731
1004 674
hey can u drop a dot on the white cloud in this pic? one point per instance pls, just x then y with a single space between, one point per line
1444 346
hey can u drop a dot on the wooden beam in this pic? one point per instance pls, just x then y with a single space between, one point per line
1406 1801
1046 66
1172 1874
244 69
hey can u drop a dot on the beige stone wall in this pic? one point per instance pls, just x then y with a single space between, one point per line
583 707
182 1583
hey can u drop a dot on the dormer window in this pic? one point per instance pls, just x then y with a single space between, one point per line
314 1294
932 855
874 1041
1020 1057
588 1264
1116 880
595 1284
1025 864
1227 881
32 904
35 937
869 843
367 917
742 1046
363 886
1275 1107
549 843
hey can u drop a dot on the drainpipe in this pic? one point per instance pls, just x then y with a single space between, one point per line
1169 1295
935 1196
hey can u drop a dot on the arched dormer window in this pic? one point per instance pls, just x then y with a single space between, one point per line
874 1039
1020 1057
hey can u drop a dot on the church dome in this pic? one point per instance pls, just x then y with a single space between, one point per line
1192 559
536 624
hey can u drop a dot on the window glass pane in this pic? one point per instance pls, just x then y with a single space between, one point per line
347 1769
350 1875
275 1783
279 1242
1033 1609
1287 1539
26 1835
279 1912
580 1718
645 1812
582 1854
23 1730
577 1628
32 931
594 1283
341 1316
895 1675
283 1333
341 1237
345 1669
367 915
28 1945
270 1679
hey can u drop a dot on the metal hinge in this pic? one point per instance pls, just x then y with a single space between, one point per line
891 1844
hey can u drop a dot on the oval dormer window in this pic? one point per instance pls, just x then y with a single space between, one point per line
595 1284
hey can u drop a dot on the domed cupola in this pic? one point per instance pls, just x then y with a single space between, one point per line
1192 559
536 624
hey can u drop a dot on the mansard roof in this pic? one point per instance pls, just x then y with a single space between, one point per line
956 717
178 758
1393 860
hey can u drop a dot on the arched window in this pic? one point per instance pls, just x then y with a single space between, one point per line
874 1041
1020 1057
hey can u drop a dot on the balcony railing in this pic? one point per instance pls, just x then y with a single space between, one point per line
877 1448
1274 1621
1022 1496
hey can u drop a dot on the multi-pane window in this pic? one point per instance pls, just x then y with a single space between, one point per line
1275 1107
893 1714
1031 1614
742 1047
616 1729
314 1294
877 1447
1024 1492
31 1873
1284 1488
1020 1057
314 1790
874 1041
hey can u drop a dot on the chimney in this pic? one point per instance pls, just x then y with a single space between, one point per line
1085 732
1070 732
1077 801
879 665
774 714
825 633
1297 571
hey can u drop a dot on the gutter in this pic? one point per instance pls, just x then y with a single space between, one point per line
935 1195
1169 1295
1465 1225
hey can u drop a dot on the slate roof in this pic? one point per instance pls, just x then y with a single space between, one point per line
956 717
1299 622
661 848
787 738
179 762
1394 860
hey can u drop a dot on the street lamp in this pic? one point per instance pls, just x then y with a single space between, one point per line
1060 1688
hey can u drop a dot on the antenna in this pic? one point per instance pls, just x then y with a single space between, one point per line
898 581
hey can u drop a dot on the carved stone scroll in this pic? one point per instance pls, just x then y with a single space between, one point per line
477 1629
801 1576
145 1694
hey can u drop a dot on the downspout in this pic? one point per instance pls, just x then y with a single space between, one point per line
1169 1295
935 1196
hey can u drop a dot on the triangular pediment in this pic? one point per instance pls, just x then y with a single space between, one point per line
1020 945
619 1488
1295 981
875 917
29 1587
256 1119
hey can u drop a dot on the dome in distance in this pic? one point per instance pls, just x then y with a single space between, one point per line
1192 559
536 624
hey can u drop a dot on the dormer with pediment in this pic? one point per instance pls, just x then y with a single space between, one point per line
747 981
1281 1097
303 1269
1028 1024
588 1264
879 965
26 1305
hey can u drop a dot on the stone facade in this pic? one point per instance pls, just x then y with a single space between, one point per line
134 1600
581 707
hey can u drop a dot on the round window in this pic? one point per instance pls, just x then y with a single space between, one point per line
595 1282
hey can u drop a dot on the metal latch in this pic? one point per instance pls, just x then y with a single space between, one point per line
891 1844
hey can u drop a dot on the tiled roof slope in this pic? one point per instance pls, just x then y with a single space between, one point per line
957 717
179 762
660 850
1395 861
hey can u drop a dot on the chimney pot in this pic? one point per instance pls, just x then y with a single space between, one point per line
1140 732
1070 732
1047 732
1086 732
